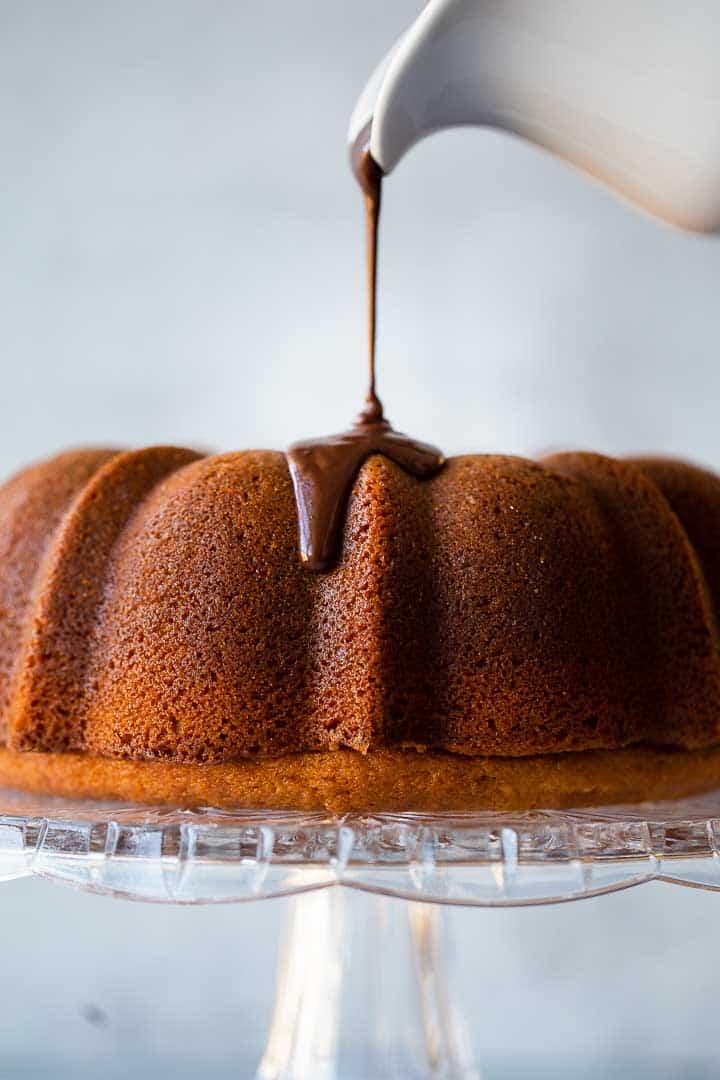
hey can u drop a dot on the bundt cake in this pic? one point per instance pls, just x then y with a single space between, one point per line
504 633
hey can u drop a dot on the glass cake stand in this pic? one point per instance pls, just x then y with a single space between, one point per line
362 886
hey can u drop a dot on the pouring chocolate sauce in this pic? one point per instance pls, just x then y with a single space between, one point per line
369 176
323 470
466 62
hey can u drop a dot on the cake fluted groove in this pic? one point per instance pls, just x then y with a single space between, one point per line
693 495
373 627
346 620
50 696
670 645
34 502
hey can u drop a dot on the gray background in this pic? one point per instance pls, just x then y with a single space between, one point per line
182 260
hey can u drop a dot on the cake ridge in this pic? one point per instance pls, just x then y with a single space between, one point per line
49 698
381 579
35 500
690 662
657 470
202 650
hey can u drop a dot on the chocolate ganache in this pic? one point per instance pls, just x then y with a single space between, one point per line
323 470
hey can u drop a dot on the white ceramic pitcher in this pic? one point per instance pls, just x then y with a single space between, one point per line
627 90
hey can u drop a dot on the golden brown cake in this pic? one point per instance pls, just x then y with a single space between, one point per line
507 633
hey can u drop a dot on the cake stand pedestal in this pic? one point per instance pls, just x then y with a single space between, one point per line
362 993
361 989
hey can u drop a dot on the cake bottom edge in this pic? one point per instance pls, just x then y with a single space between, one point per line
393 779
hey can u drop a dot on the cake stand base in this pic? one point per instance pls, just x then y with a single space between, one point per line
362 993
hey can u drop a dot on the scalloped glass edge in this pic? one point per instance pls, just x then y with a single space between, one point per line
484 860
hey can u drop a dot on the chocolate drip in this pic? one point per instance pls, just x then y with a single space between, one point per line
323 470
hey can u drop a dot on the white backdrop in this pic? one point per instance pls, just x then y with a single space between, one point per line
182 260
